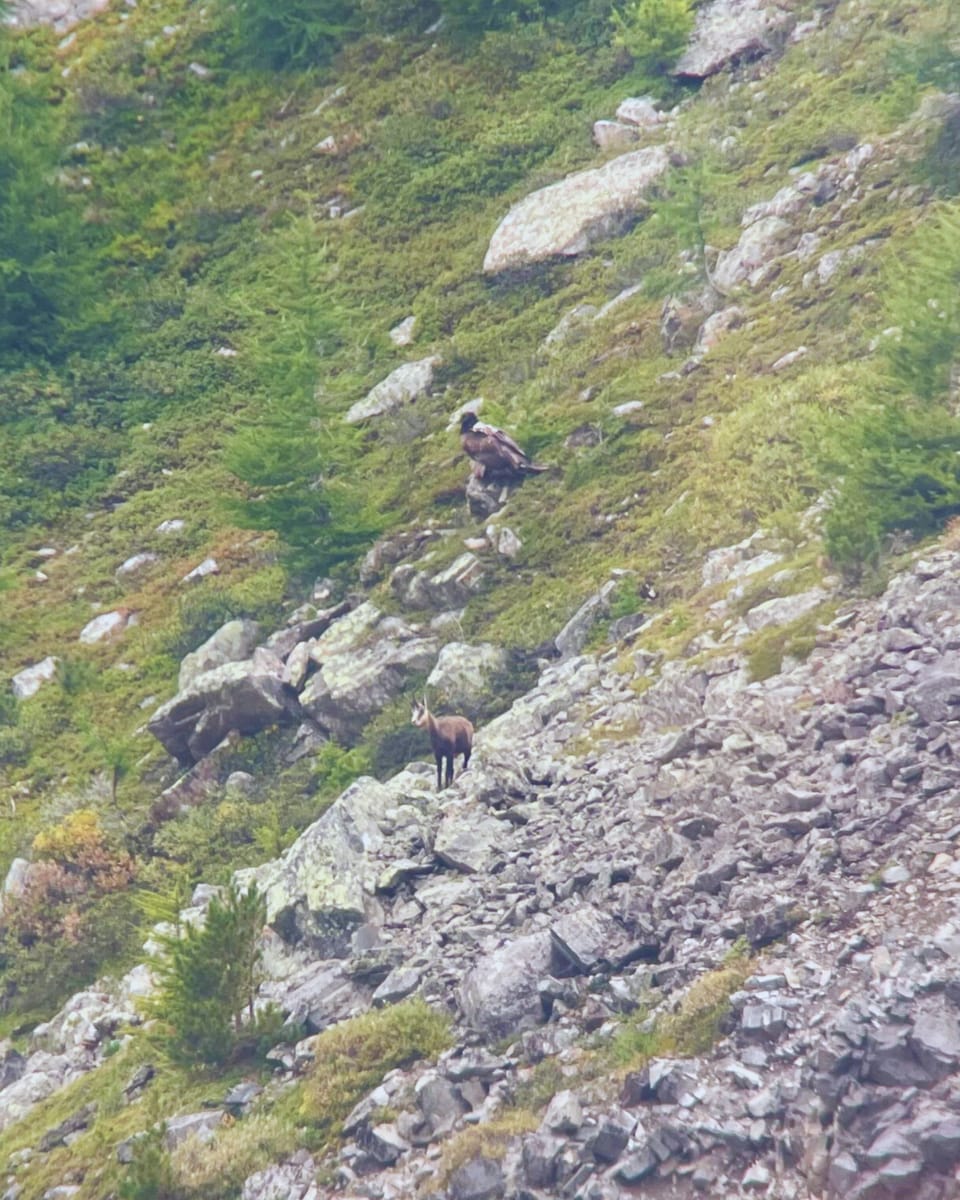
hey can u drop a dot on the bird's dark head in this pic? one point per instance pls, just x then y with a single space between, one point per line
467 421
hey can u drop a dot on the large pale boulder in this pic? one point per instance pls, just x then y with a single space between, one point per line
463 674
499 994
403 386
232 642
323 887
565 218
107 625
728 30
352 686
244 696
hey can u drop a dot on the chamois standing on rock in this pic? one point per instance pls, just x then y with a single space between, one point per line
449 736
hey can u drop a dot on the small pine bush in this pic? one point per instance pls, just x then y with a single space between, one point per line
653 32
208 979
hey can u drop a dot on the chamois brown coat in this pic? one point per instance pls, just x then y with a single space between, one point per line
449 736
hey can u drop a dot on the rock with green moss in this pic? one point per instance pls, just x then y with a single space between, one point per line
322 888
401 387
463 675
352 687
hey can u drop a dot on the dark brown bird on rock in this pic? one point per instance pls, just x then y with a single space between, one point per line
495 453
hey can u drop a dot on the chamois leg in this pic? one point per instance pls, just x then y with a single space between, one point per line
449 769
439 758
466 758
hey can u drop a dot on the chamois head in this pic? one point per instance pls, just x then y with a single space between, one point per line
419 713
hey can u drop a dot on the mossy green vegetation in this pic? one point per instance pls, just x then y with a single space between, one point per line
692 1028
352 1057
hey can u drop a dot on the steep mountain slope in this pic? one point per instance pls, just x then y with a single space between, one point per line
725 319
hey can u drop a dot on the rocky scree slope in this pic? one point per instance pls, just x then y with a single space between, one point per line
605 850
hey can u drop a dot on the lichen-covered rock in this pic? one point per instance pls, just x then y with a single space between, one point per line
232 642
463 673
351 687
323 887
244 696
564 219
450 588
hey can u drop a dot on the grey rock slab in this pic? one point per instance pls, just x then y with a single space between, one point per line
573 636
759 244
727 30
30 680
107 625
640 111
564 1113
469 839
232 642
936 693
403 386
200 1125
478 1179
615 135
352 686
935 1041
440 1102
464 674
243 696
765 1022
783 610
565 218
135 565
499 995
890 1062
612 1135
541 1154
384 1143
399 983
584 938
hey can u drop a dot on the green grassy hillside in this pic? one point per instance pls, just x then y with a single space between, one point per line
232 280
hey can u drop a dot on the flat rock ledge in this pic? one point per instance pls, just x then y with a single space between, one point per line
566 218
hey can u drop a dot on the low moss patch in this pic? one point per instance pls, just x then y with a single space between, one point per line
352 1058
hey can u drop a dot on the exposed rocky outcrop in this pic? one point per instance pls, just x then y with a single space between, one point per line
246 696
728 31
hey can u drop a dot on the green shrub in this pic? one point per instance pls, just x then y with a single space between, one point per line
900 466
295 33
653 32
208 979
45 250
150 1175
896 457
